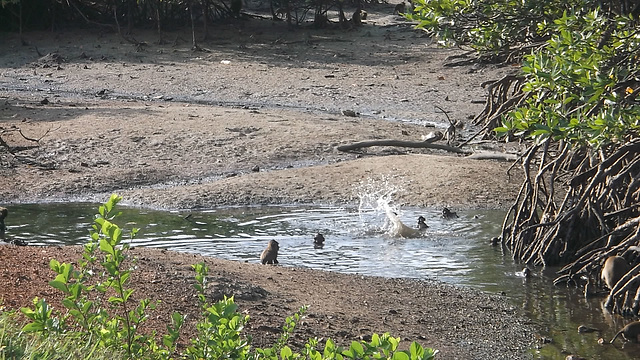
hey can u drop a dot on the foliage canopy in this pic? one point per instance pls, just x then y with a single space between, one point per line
575 99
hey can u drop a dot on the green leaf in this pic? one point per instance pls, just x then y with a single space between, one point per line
539 132
356 348
106 247
27 311
286 353
66 271
177 318
429 353
33 327
60 285
329 348
54 265
394 342
112 202
400 355
68 303
126 294
116 234
416 350
115 300
75 290
375 340
87 306
111 268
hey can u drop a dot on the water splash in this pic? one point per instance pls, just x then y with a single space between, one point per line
377 210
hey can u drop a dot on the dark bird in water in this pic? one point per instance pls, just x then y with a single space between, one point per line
421 223
448 214
318 241
3 214
18 242
494 241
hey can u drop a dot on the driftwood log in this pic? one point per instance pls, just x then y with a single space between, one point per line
401 143
491 155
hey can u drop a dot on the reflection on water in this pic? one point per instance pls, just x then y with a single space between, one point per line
454 251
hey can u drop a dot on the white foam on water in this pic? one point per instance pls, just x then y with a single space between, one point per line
378 211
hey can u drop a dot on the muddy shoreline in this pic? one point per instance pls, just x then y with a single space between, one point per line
459 322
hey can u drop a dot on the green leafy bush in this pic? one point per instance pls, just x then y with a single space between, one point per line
584 85
494 28
115 323
219 331
580 62
17 344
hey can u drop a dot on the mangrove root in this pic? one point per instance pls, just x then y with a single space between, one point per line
595 216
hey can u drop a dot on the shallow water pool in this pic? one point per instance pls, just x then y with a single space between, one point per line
454 251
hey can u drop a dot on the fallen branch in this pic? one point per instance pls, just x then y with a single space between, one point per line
401 143
13 150
32 139
490 155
